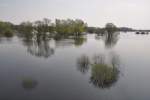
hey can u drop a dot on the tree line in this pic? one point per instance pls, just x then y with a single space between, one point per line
45 27
58 28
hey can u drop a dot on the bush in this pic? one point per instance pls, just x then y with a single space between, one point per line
103 75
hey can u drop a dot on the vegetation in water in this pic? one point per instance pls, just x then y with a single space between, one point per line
103 75
29 84
104 72
60 28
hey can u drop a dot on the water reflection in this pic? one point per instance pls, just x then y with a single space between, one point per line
3 39
6 37
39 47
29 84
104 69
110 38
37 43
80 40
83 64
72 41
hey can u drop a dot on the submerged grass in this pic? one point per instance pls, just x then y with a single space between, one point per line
103 75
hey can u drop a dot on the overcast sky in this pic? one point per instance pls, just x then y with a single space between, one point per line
130 13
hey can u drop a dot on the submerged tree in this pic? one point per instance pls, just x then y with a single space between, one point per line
25 29
38 29
103 76
44 26
104 71
69 27
110 27
29 83
79 27
96 30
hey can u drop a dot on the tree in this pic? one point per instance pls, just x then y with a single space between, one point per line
110 27
70 27
79 26
25 29
6 29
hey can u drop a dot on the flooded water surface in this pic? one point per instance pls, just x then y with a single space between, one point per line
92 67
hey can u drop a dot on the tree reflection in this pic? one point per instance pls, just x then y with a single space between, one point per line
80 40
42 45
5 39
83 64
29 84
71 41
37 45
40 48
110 38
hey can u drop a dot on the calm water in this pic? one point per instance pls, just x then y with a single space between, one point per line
60 70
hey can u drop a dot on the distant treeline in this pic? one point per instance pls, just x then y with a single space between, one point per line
60 27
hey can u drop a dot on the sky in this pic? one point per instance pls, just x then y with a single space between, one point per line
123 13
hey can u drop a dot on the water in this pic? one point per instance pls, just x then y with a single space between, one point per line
64 69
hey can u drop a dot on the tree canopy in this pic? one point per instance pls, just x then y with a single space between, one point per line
6 29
